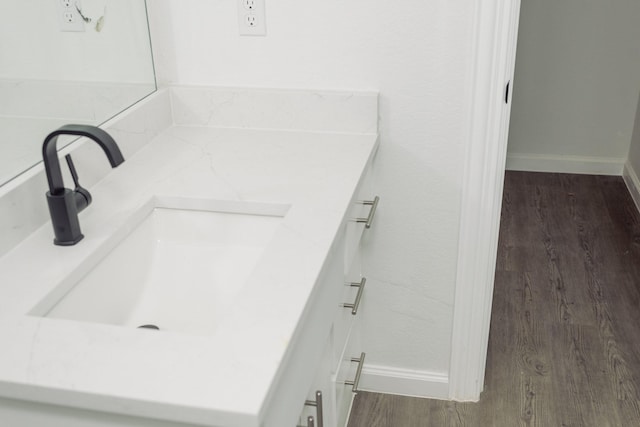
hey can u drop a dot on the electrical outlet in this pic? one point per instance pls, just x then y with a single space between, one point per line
251 18
249 4
68 15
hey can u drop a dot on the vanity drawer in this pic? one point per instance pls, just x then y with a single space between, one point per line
360 217
342 325
353 295
348 375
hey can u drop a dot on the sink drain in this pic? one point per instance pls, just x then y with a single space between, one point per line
149 327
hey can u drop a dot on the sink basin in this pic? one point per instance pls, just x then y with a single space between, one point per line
179 269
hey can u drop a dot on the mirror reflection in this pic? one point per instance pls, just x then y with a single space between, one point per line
67 61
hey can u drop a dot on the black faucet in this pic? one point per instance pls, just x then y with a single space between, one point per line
65 204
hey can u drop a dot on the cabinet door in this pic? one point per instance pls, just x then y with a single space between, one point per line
321 408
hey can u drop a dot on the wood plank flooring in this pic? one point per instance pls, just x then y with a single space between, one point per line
564 346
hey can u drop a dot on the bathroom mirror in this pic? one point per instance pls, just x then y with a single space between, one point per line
67 61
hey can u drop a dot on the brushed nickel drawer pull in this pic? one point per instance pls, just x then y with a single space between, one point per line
369 219
318 404
354 384
356 303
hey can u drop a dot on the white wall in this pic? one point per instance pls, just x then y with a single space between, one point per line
33 47
576 85
417 54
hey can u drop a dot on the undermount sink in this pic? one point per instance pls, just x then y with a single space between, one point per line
180 268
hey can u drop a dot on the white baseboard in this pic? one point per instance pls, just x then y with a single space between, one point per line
633 183
565 164
405 382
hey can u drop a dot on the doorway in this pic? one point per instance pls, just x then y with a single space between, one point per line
577 77
496 33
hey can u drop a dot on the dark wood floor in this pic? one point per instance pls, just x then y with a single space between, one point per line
564 347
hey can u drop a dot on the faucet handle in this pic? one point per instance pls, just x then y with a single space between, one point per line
72 169
82 195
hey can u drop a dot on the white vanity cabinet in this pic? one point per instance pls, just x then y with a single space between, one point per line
338 373
285 329
324 363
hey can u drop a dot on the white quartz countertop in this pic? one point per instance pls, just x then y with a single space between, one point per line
220 379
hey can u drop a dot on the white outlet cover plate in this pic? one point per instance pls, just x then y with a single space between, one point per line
69 18
252 18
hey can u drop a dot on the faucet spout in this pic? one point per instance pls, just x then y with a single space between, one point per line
65 204
50 151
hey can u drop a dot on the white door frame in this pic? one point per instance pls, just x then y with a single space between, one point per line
495 30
